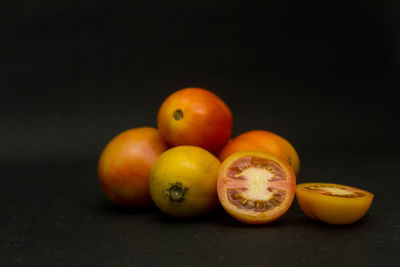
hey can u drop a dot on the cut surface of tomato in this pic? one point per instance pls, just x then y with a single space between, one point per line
256 187
333 203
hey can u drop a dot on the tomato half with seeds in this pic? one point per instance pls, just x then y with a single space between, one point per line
256 187
333 203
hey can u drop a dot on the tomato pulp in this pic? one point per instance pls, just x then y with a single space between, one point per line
256 187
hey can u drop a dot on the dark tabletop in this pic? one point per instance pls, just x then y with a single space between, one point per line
56 214
74 76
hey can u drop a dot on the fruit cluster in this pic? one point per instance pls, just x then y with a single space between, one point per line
190 163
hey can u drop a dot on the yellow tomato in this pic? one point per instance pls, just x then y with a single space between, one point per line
333 203
183 181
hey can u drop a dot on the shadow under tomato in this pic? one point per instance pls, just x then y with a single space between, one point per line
104 206
304 220
208 217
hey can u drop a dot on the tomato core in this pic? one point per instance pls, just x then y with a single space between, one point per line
258 192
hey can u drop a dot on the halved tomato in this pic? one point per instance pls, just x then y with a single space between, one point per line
256 187
333 203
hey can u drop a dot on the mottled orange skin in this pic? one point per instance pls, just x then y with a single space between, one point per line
125 165
263 141
207 121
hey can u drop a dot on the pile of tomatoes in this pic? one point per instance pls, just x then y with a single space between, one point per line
190 164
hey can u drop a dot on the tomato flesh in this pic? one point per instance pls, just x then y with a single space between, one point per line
333 203
255 187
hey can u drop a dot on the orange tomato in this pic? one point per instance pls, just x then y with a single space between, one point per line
333 203
264 141
256 187
125 165
195 116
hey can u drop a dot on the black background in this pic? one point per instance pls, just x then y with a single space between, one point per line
73 75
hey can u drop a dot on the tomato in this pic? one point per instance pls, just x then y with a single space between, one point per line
183 181
255 186
333 203
125 164
195 116
265 141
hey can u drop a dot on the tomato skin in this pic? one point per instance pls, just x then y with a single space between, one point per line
206 122
193 171
264 141
125 164
333 209
254 217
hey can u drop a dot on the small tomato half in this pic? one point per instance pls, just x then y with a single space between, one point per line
333 203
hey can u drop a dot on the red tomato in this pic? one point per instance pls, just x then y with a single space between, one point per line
125 166
256 187
195 116
265 141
